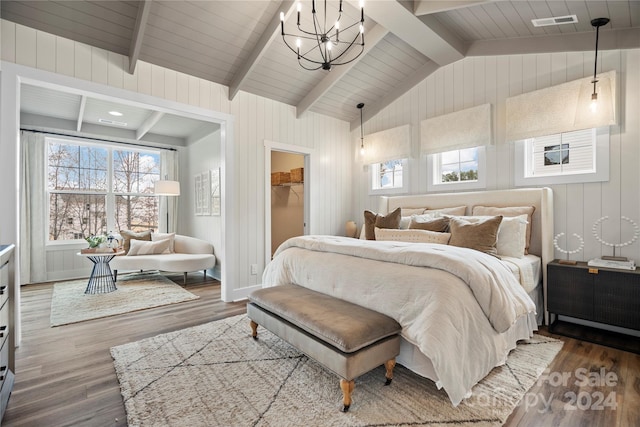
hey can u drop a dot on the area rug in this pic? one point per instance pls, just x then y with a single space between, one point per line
137 291
217 375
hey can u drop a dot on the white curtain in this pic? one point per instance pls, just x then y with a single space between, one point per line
169 170
390 144
455 131
562 108
33 215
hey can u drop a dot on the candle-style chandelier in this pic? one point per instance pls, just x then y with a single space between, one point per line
330 41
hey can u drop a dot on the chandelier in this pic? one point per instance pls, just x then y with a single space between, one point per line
328 46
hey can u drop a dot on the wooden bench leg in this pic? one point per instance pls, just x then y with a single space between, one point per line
347 388
254 330
389 365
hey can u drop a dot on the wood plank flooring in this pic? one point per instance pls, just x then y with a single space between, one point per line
65 375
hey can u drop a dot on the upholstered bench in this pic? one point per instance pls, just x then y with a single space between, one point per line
346 338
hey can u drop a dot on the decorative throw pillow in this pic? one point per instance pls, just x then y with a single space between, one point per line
372 220
411 211
412 236
458 210
128 235
512 236
481 236
156 237
509 211
437 224
141 247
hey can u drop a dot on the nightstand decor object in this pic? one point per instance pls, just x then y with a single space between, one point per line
636 233
567 252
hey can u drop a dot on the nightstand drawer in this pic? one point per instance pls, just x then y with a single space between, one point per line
4 362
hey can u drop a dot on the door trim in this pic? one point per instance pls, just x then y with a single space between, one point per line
270 146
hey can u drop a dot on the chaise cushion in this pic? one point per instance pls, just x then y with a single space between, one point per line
346 326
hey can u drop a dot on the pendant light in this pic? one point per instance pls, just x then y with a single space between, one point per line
360 106
597 23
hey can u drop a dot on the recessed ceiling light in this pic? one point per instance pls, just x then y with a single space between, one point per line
115 113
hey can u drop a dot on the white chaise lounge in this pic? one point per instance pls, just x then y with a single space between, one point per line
190 254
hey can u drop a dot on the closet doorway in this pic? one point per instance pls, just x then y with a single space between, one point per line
287 198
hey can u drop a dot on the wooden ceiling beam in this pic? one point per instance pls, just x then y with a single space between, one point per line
426 36
148 124
83 104
138 34
271 32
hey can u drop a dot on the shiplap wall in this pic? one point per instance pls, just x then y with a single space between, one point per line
256 119
478 80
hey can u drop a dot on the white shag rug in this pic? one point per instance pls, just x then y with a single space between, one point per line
136 291
217 375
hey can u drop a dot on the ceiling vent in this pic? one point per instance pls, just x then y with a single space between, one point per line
555 20
112 122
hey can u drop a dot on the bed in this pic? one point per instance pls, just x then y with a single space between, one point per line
461 310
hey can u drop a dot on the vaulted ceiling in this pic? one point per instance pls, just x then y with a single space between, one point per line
238 43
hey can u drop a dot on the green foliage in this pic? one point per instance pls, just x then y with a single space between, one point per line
471 175
95 241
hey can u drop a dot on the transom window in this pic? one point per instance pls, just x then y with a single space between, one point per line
93 189
389 177
561 154
464 168
570 157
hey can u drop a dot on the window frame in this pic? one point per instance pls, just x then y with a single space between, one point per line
110 194
434 167
601 160
374 172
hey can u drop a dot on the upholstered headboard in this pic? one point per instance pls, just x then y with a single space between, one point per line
542 220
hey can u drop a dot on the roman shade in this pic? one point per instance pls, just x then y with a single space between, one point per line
390 144
562 108
461 129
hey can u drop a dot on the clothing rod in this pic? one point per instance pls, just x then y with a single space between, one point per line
97 139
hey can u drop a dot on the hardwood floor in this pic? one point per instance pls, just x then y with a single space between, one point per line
65 375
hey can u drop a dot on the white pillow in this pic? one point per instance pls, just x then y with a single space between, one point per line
143 247
171 237
512 234
412 236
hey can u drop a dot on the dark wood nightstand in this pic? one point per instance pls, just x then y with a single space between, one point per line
602 295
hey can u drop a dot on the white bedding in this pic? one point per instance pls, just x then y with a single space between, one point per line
463 321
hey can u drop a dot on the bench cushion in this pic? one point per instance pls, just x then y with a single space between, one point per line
346 326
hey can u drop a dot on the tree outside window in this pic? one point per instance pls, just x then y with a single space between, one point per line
459 165
87 196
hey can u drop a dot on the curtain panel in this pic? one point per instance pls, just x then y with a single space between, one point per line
169 169
462 129
562 108
390 144
33 205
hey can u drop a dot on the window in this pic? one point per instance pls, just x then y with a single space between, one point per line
93 189
462 169
578 156
388 177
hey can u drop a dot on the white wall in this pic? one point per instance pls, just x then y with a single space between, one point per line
478 80
256 119
201 156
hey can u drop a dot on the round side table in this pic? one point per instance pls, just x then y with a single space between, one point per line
101 278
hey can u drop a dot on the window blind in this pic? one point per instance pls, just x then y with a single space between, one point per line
390 144
562 108
462 129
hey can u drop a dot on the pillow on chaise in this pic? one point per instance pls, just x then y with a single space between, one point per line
142 247
128 235
156 237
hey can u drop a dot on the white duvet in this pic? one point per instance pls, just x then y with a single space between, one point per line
454 304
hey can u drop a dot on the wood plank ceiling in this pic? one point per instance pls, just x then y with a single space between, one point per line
238 44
